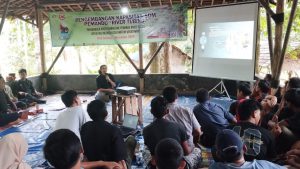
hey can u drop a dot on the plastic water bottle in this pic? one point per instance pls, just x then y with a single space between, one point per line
139 153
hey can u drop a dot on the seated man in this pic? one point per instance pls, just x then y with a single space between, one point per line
102 140
161 128
259 141
288 129
243 92
187 119
230 149
181 115
5 101
169 155
262 89
63 151
26 91
73 117
105 84
212 117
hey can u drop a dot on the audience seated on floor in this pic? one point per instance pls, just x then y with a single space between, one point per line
63 151
13 148
73 117
288 129
230 150
161 128
183 116
169 155
8 115
243 92
293 156
262 89
104 141
269 108
259 141
26 91
6 105
211 116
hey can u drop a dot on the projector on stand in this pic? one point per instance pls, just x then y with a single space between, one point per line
126 90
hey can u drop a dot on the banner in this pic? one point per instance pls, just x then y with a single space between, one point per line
142 25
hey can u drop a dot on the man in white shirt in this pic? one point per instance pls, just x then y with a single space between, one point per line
73 117
184 117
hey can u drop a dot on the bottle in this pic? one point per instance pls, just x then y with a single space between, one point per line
139 152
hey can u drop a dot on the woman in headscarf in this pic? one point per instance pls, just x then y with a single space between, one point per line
13 148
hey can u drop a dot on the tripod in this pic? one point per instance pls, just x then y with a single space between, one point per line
222 89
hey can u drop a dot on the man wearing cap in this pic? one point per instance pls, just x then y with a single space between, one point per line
259 141
230 149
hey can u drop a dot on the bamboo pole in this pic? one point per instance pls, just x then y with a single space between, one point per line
270 41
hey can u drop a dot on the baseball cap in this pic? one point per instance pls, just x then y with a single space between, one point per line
228 143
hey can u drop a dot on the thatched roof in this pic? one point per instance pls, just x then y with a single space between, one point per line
25 9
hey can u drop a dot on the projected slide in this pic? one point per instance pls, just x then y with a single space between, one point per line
227 40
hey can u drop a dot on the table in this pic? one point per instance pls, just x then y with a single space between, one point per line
130 104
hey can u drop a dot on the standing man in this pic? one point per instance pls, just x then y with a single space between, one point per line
105 84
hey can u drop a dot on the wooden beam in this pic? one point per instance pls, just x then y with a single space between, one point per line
61 8
154 56
149 3
286 38
45 21
127 56
99 6
129 5
111 8
60 2
90 8
25 20
4 15
70 8
79 7
267 7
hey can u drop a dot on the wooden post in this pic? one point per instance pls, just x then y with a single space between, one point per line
142 80
278 39
270 41
286 39
4 15
42 47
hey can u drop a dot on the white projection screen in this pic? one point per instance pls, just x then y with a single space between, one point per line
225 42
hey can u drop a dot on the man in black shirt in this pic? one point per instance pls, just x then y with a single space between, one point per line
26 91
105 84
100 139
259 141
7 115
160 129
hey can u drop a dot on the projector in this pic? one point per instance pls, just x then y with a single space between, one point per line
126 90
